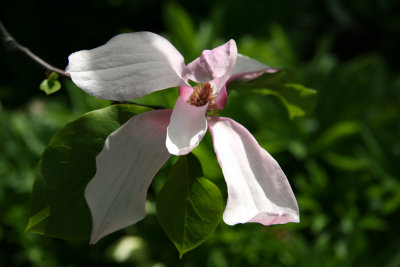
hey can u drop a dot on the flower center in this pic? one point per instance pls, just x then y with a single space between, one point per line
203 94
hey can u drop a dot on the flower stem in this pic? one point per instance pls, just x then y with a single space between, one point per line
12 45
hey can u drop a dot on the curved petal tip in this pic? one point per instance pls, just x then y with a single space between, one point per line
186 128
258 190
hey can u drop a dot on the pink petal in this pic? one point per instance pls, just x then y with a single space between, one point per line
185 92
128 66
249 69
131 156
258 190
221 98
186 128
213 65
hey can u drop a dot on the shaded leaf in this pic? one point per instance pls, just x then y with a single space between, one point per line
298 99
58 207
189 206
336 133
346 162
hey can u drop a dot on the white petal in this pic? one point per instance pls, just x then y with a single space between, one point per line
131 156
127 67
247 64
187 127
258 190
248 68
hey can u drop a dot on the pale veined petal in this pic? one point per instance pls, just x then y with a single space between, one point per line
248 68
187 127
214 66
130 158
258 190
128 66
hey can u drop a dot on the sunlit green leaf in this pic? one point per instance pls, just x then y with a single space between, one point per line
189 206
51 84
58 208
298 99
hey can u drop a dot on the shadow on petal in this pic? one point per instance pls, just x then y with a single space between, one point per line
131 157
258 190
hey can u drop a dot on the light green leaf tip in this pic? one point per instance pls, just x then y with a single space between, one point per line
36 219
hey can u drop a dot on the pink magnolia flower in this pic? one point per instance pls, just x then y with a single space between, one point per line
133 65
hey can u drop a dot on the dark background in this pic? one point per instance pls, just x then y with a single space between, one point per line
55 29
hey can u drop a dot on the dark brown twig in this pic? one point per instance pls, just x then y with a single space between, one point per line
12 45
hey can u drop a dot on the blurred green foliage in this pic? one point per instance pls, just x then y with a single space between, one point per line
342 160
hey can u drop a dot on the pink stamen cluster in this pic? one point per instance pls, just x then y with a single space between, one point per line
203 94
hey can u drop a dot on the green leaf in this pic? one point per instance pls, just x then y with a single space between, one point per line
337 132
189 206
276 50
58 207
181 30
51 84
346 162
298 100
